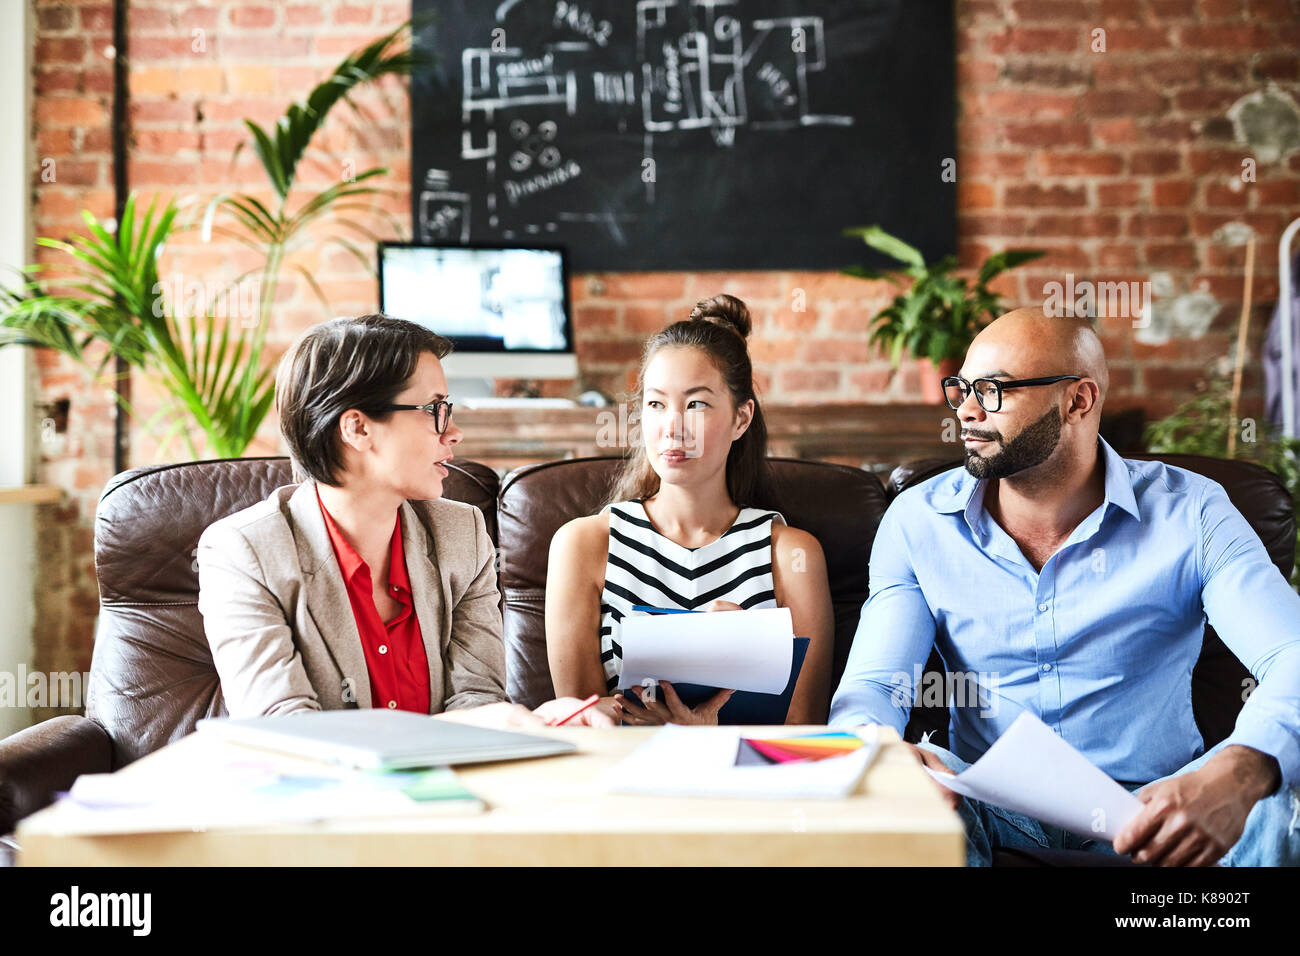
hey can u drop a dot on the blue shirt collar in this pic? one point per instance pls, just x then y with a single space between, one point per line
964 492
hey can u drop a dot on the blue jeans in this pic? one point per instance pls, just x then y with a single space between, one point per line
1271 836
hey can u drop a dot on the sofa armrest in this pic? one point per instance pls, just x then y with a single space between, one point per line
38 762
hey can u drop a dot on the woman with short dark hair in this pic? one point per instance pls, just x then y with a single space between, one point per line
361 586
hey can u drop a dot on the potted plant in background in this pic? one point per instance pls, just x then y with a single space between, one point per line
210 372
279 232
938 316
209 365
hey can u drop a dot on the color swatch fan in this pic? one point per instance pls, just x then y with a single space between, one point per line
761 752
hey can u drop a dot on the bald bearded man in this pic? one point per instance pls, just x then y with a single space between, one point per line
1075 584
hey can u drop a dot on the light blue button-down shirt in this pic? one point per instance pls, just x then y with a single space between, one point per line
1100 643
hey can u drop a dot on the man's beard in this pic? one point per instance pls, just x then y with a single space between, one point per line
1033 446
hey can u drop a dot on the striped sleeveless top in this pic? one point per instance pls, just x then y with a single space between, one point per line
646 568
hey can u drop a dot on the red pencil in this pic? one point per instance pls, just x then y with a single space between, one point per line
585 704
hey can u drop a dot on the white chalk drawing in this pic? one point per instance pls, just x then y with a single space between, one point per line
444 214
701 66
704 78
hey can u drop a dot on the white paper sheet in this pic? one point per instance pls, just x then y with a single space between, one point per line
738 650
1033 771
235 789
700 762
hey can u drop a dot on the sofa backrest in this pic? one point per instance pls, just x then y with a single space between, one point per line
152 675
840 506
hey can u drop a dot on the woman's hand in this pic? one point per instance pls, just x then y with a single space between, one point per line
724 606
510 716
671 710
500 715
599 714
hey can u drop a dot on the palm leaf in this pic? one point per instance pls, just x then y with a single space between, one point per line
281 152
247 209
895 248
355 251
862 272
1000 262
315 286
326 197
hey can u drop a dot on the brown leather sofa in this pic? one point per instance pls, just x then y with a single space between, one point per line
152 675
838 505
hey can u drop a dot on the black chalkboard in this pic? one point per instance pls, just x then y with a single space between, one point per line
685 134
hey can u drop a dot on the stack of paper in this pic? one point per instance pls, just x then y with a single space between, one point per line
711 762
254 790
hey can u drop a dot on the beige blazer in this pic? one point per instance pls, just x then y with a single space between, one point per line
276 612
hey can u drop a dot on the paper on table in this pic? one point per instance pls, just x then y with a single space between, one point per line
739 650
252 789
1033 771
701 762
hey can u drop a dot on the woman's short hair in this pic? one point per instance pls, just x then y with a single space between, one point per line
362 363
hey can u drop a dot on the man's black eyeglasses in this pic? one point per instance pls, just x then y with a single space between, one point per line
988 391
441 412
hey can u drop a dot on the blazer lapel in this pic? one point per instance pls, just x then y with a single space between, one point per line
427 596
325 594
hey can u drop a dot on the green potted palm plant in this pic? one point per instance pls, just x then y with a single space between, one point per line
940 313
109 292
282 229
209 365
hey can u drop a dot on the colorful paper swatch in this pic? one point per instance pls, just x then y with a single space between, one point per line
767 751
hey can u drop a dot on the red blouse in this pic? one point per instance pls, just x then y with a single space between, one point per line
395 655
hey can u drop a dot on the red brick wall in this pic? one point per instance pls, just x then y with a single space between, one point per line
72 88
1120 163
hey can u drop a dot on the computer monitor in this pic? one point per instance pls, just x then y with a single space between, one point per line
506 308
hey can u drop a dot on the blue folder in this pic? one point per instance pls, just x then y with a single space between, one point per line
744 707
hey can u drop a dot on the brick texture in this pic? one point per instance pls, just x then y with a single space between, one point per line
1121 163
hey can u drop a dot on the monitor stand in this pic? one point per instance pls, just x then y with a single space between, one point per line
471 387
471 393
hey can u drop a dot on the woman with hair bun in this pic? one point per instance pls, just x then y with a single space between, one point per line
687 527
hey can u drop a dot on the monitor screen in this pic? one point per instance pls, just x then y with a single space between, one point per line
483 299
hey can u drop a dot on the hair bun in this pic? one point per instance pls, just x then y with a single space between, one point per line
725 310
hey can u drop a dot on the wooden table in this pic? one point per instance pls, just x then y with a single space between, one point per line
550 812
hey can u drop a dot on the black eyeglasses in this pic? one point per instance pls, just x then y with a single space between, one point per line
988 391
441 412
